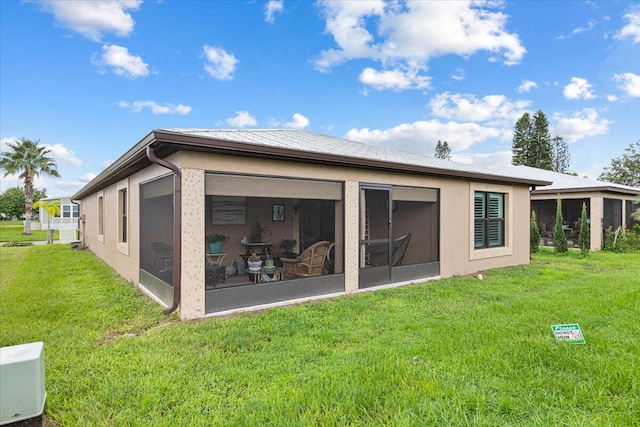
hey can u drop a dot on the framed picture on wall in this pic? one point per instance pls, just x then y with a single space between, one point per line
277 213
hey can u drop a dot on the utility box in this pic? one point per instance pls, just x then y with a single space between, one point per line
22 392
76 246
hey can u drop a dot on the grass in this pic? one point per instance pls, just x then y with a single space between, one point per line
454 352
11 231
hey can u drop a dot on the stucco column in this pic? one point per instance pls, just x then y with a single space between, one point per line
352 236
596 206
192 296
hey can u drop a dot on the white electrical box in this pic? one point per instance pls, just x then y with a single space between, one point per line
22 392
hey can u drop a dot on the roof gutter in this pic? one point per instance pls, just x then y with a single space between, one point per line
177 225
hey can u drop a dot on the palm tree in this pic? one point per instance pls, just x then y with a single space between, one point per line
28 159
53 209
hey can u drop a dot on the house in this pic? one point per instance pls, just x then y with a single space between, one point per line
608 205
371 216
67 222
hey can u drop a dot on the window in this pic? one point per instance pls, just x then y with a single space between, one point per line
76 211
488 210
122 219
100 216
66 211
122 216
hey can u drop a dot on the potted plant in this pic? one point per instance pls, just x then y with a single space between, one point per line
255 263
268 259
288 244
215 242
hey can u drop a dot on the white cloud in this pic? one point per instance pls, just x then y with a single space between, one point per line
138 106
299 122
582 124
629 83
632 29
93 18
271 8
612 98
61 153
124 64
220 64
242 119
394 79
422 136
579 88
526 86
4 141
458 74
592 23
406 35
87 177
492 109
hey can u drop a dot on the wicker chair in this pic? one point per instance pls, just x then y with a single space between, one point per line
308 263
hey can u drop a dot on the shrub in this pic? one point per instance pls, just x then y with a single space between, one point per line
584 241
535 234
559 238
622 240
16 243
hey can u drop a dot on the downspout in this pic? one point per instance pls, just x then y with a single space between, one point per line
177 226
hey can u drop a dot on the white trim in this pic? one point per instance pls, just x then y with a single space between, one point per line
100 216
123 247
505 250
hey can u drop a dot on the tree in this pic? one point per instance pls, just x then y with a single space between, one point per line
542 150
12 201
53 209
535 233
584 241
443 151
29 159
624 169
561 158
532 142
559 238
636 214
521 141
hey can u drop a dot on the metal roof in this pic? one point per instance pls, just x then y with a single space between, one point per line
291 144
562 182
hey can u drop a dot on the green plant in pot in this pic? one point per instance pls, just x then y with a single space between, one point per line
288 244
268 259
216 241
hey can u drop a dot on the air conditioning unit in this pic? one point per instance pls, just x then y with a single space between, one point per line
22 392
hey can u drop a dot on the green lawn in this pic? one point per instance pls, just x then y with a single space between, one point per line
459 351
11 231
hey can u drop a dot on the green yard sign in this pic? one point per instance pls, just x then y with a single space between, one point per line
570 333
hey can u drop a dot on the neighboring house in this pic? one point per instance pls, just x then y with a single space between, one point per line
67 222
608 205
390 217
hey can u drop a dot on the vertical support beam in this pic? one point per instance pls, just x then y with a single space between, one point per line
192 298
596 206
352 236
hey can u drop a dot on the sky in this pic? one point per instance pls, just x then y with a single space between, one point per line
89 79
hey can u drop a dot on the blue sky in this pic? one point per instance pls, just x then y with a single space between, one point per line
91 78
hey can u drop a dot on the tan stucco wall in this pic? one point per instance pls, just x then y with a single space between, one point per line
456 254
125 264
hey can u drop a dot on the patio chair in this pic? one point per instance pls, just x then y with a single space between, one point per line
308 263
